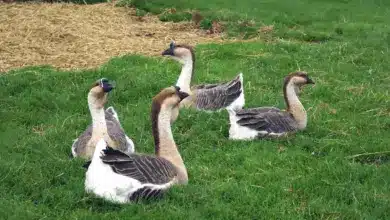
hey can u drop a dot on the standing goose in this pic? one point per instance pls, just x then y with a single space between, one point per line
123 178
105 124
246 124
209 97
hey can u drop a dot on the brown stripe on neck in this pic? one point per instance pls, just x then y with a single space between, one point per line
157 102
156 107
192 57
287 80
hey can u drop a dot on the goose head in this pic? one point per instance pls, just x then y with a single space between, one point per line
97 95
298 80
168 101
181 53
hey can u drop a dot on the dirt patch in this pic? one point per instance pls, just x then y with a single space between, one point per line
84 36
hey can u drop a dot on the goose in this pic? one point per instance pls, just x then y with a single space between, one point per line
247 124
105 123
122 178
207 97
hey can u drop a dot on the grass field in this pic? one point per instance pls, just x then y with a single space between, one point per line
305 177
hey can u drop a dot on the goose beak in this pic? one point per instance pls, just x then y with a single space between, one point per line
309 81
167 52
182 95
106 85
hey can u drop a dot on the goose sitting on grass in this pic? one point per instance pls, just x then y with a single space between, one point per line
209 97
122 178
246 124
105 124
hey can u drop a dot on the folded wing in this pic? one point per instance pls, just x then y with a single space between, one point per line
217 96
146 169
268 121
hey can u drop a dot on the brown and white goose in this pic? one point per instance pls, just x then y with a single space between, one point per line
246 124
123 178
105 124
208 97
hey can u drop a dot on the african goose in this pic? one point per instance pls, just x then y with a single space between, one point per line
122 178
105 123
208 97
246 124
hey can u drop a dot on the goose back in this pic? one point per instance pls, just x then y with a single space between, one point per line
144 168
255 111
267 121
150 171
215 97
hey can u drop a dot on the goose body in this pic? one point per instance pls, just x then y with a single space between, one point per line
260 123
207 97
115 132
105 124
247 124
123 178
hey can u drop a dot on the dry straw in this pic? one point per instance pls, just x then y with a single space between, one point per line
84 36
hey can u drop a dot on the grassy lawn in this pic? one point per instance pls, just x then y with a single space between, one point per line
305 177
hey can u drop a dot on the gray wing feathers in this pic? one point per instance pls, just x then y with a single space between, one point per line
271 121
117 134
80 143
110 111
255 111
146 193
146 169
115 131
205 86
218 96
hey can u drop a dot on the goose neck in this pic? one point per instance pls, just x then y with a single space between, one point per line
99 126
186 74
294 106
165 145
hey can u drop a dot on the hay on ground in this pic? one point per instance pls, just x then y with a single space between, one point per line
84 36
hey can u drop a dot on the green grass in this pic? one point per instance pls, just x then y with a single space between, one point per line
348 109
305 20
176 17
